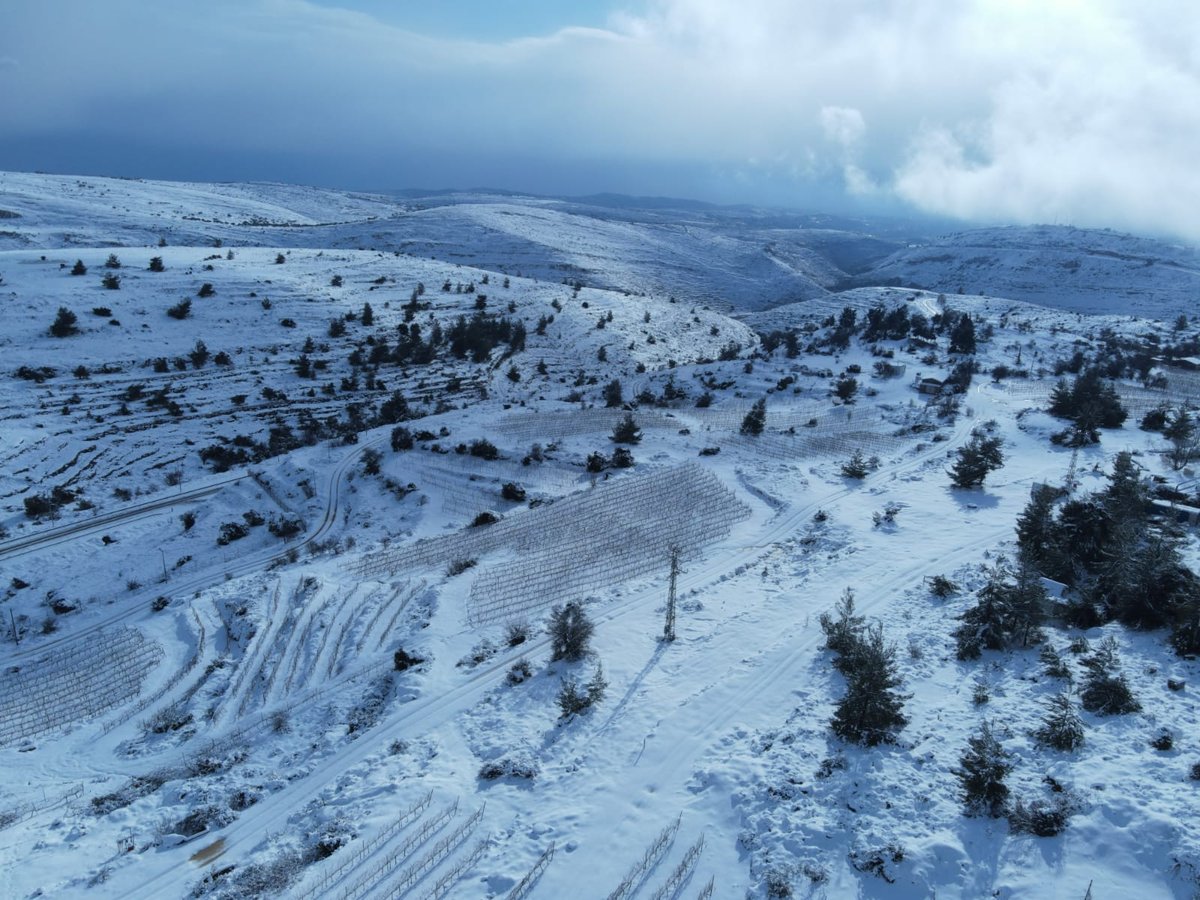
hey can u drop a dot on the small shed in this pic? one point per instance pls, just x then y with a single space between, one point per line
934 386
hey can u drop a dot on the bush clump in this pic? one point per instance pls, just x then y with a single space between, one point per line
517 766
230 532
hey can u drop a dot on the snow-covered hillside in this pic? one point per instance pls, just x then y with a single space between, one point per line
744 258
275 608
1087 270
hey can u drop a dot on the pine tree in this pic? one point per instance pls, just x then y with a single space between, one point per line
368 315
1062 403
985 626
64 323
570 632
402 439
1036 534
975 460
199 354
180 310
755 420
597 686
843 634
870 712
156 264
1181 432
1027 606
626 431
612 394
846 388
962 338
1185 630
981 772
79 268
1125 496
856 466
1105 690
1061 729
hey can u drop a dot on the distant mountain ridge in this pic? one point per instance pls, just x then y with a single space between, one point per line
734 258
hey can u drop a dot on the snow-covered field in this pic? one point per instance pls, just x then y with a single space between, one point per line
285 667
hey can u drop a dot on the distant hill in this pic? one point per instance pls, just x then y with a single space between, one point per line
1085 270
726 257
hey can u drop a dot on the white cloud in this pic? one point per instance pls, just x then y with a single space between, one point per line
843 126
1022 110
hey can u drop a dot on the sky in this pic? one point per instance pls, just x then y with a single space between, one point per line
1083 112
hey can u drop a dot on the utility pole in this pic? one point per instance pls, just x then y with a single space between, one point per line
669 628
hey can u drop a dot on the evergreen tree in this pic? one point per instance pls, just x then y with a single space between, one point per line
64 323
112 262
1061 729
79 268
180 310
981 772
597 686
1145 583
570 632
402 439
985 626
612 394
1181 432
1185 631
622 458
870 712
1005 614
1036 534
755 420
1105 690
846 388
199 354
976 459
843 634
368 315
856 466
1091 403
156 264
962 337
626 431
1027 607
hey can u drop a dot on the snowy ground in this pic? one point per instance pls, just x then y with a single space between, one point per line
251 735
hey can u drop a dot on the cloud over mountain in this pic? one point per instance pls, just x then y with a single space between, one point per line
1008 110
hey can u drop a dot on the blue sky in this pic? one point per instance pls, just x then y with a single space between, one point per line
486 21
1074 111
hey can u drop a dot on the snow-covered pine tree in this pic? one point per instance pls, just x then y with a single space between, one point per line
755 420
1061 728
570 632
856 466
870 712
981 771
